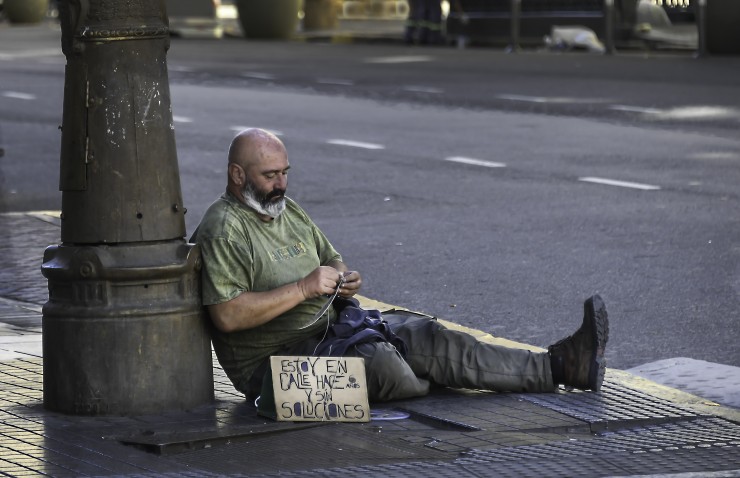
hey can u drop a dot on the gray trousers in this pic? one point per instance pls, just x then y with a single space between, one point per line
438 355
441 356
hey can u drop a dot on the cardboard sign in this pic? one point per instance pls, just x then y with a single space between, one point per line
320 389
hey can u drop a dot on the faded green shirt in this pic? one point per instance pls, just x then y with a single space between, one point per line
243 253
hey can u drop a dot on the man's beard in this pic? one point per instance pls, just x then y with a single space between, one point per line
263 203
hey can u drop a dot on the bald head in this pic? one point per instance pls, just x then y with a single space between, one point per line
251 146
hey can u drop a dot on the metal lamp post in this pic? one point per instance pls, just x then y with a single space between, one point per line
123 329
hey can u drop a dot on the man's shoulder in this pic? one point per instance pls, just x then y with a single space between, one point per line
223 218
296 210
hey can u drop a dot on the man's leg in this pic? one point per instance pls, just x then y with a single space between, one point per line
459 360
456 359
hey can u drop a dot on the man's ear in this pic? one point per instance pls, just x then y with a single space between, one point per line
236 174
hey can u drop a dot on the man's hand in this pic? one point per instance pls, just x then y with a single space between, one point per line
351 285
322 281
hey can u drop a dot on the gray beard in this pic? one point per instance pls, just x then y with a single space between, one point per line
267 208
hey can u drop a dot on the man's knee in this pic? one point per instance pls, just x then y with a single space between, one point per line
389 377
413 327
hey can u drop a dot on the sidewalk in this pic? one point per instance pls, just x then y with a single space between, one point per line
633 427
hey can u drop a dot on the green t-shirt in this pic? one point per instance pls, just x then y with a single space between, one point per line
242 253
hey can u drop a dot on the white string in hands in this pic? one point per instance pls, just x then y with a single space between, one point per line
325 310
326 305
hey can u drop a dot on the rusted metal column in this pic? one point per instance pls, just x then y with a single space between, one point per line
123 329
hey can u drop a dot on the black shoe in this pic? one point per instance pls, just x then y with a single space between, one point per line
578 361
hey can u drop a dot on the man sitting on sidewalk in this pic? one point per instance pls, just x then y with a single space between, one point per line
267 269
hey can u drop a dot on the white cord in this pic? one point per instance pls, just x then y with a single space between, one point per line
326 331
328 318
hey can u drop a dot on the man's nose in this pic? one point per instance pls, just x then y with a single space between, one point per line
282 181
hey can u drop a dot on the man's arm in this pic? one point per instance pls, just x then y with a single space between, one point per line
252 309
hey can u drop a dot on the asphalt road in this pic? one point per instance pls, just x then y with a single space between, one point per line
495 190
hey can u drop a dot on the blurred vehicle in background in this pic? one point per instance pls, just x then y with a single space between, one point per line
203 18
678 11
490 21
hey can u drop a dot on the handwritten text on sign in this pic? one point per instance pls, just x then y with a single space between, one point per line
320 388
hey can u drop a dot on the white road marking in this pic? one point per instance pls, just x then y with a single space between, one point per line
182 119
423 89
678 113
552 99
530 99
18 95
716 155
475 162
400 59
635 109
699 112
238 129
335 81
53 61
355 144
623 184
182 69
30 53
258 76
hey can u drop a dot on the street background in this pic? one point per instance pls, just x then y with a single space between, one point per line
495 190
470 184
